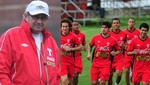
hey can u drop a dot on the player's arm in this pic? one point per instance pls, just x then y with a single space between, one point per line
114 53
75 48
131 50
116 49
83 44
134 52
83 48
89 52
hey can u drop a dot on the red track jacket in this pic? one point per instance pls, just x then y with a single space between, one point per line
19 63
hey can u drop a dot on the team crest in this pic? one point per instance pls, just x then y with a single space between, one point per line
138 44
135 36
68 40
148 45
108 43
98 41
79 38
121 38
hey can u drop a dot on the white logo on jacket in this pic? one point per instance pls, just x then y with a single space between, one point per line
50 57
49 51
24 45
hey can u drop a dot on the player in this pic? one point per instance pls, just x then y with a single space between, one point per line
105 47
140 49
78 55
131 32
69 44
117 62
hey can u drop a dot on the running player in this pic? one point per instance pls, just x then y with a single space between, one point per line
68 43
140 49
131 32
117 62
105 47
78 55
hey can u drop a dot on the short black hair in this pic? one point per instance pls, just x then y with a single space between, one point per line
70 18
106 23
145 25
115 19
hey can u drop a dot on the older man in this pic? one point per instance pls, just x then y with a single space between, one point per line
28 53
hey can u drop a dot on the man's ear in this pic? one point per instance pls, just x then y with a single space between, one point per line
25 15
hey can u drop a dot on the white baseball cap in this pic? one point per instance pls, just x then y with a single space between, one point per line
38 7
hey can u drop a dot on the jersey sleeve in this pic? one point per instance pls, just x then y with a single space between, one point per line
131 44
84 41
116 45
92 42
76 40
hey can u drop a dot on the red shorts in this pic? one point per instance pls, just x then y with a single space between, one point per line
100 72
78 64
67 69
140 76
117 65
128 61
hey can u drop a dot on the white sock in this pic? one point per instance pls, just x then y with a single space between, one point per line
116 83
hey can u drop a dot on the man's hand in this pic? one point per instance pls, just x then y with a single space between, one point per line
67 48
113 53
89 57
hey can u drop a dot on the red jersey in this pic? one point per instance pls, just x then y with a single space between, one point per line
121 38
131 35
103 47
142 59
69 40
81 38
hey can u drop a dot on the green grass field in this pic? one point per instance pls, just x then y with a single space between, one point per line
94 28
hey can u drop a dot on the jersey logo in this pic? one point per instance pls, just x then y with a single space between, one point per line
68 40
108 43
135 36
121 38
24 45
127 36
148 45
50 57
79 38
138 44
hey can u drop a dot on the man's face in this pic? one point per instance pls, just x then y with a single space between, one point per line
75 26
131 23
104 30
37 22
65 28
143 32
115 24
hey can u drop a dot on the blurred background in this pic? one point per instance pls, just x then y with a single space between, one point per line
80 10
11 14
96 10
